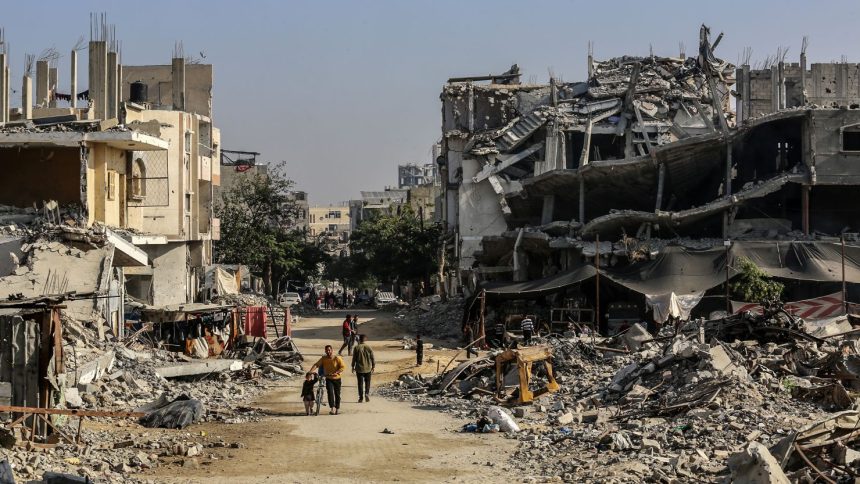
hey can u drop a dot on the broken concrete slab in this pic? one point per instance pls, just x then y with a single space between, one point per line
756 465
94 370
189 369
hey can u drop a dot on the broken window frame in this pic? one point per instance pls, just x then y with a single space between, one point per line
853 129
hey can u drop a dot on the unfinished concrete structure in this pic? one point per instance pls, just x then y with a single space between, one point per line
645 154
126 161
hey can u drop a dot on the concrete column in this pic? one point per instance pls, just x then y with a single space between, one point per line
581 200
774 88
73 60
27 97
804 203
98 78
548 208
747 93
4 90
739 100
111 95
52 87
803 78
661 181
781 70
42 84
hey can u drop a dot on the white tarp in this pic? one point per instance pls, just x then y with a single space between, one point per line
671 304
225 283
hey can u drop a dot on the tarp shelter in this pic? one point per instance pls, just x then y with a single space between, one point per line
677 278
539 287
805 261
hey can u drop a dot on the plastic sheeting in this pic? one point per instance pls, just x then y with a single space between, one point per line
225 283
806 261
666 305
539 287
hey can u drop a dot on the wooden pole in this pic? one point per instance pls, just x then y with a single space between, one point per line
481 327
726 243
844 287
597 280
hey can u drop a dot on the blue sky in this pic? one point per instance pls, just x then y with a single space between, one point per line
344 91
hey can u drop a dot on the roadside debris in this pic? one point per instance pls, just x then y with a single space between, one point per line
712 400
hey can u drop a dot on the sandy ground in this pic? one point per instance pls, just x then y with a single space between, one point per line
288 446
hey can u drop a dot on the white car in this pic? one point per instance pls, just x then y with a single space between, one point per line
288 299
383 298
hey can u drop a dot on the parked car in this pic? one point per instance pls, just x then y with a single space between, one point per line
383 298
363 299
288 299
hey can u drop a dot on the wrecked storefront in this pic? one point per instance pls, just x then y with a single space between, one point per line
645 159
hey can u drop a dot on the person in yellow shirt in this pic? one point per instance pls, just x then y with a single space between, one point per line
332 366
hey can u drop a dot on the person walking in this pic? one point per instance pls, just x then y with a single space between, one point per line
500 335
353 325
308 391
363 365
419 350
468 337
528 327
332 367
346 332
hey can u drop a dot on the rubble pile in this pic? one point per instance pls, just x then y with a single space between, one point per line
108 376
433 318
734 398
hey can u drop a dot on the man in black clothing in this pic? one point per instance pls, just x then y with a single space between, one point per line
419 350
468 337
500 331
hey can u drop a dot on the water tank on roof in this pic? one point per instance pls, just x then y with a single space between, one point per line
137 92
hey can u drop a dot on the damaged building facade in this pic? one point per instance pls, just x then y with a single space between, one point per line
647 166
133 169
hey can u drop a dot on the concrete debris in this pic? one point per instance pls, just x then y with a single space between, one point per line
433 318
682 409
178 414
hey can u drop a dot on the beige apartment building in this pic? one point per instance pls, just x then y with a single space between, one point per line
140 159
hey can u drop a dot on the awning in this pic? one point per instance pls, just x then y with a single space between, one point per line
539 287
675 269
805 261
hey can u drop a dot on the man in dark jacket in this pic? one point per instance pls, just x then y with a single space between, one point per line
363 365
346 332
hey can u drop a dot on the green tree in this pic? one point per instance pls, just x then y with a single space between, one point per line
259 227
753 284
399 247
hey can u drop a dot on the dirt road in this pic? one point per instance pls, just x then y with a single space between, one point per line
291 447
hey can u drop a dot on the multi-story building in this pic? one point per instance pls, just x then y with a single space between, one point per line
412 175
140 159
330 226
646 171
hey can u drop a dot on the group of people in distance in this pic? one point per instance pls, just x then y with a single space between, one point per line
332 366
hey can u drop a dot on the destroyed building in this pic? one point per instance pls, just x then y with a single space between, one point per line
647 168
135 164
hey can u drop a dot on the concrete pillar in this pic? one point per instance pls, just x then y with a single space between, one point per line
781 70
4 90
52 87
27 97
804 207
548 207
7 94
73 60
43 82
98 78
178 84
581 200
111 95
774 88
661 182
803 78
747 93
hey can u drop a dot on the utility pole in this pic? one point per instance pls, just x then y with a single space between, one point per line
727 244
597 281
844 287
